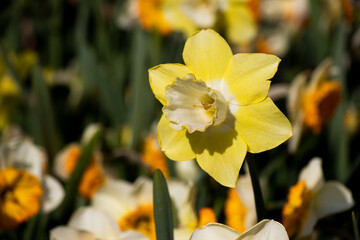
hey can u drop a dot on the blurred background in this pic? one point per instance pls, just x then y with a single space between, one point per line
67 64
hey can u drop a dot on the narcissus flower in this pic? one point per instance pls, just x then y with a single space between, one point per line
216 106
312 104
311 199
91 224
131 205
266 229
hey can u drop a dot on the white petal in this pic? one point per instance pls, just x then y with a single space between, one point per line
95 221
53 193
66 233
143 190
215 231
132 235
309 224
313 175
266 229
60 161
182 234
334 197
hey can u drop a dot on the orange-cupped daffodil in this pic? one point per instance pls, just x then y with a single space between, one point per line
312 199
216 106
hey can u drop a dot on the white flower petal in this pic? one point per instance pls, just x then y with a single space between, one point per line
215 231
132 235
54 193
308 226
333 197
313 175
66 233
266 229
95 221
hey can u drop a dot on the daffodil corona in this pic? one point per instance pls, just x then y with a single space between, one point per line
216 106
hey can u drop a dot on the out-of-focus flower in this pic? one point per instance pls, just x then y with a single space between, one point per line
24 186
153 157
90 224
266 229
312 104
93 177
352 119
240 211
312 199
9 95
275 41
20 197
216 106
187 170
131 205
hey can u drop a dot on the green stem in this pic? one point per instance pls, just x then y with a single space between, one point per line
259 201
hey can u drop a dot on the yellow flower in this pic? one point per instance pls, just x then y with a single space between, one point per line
266 229
216 106
312 104
20 197
311 199
206 215
153 157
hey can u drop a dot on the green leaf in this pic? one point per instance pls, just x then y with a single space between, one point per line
162 208
71 188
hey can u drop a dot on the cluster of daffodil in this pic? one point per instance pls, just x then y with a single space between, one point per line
106 133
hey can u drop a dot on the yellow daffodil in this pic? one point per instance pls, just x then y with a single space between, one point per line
24 186
131 205
153 157
216 106
312 104
91 224
312 199
266 229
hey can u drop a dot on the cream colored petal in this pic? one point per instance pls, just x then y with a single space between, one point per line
313 175
66 233
143 190
60 162
163 75
215 231
309 224
247 76
241 25
187 170
266 229
262 126
53 194
207 55
296 96
132 235
115 198
220 152
298 126
182 233
333 197
175 144
95 221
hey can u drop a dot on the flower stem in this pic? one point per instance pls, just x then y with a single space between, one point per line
259 201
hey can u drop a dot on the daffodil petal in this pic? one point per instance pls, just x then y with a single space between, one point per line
66 233
220 154
215 231
95 221
313 175
262 126
163 75
175 144
207 55
334 197
266 229
132 235
247 76
53 194
241 25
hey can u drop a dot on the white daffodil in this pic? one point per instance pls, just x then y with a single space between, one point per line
312 198
266 229
24 185
91 224
131 205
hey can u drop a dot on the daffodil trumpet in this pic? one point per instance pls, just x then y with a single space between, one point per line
216 107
